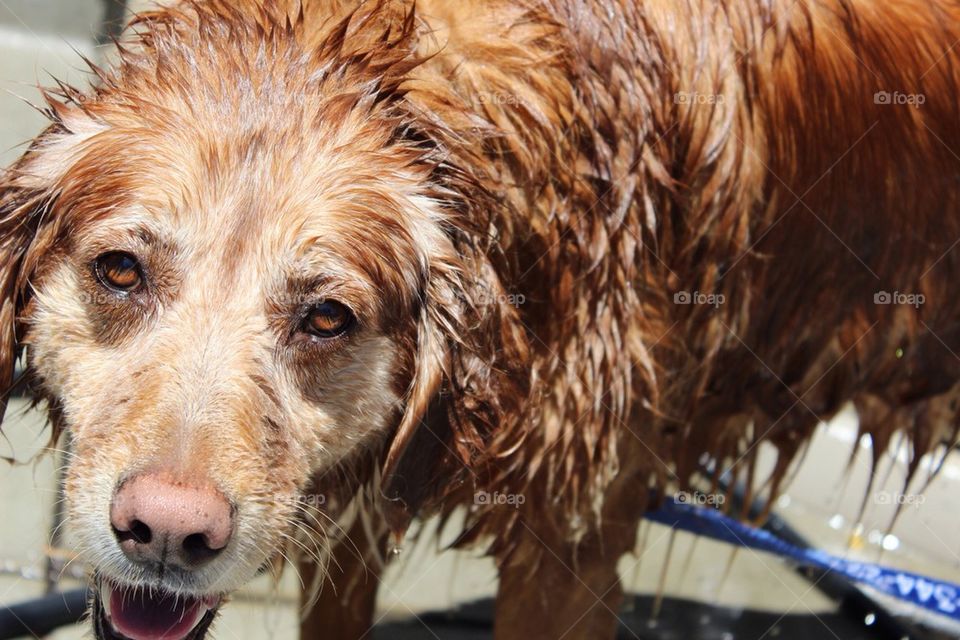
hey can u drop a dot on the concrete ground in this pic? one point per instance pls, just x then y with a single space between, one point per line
43 38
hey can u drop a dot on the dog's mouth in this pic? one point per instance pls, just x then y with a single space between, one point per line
146 613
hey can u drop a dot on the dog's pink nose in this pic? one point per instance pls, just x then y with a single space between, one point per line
158 520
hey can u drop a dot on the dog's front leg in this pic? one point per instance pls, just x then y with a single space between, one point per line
560 596
552 588
345 607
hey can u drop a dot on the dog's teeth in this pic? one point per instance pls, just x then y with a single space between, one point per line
105 598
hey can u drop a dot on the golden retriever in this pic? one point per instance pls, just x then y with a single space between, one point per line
327 265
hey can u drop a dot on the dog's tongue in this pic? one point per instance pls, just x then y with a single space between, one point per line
145 614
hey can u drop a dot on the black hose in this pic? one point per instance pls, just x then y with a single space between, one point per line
114 19
36 618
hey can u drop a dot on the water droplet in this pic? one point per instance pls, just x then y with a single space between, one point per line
870 619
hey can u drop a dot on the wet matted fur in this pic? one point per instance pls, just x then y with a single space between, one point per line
524 204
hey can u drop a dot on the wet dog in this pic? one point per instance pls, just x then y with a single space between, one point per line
292 271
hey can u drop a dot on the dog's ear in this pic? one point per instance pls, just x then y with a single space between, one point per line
469 387
416 444
469 360
30 222
20 209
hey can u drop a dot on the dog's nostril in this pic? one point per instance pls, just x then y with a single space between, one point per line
141 532
197 550
138 532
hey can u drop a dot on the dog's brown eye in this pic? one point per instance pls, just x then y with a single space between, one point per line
119 271
328 319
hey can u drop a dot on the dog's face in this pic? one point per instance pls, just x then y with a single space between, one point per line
238 271
219 317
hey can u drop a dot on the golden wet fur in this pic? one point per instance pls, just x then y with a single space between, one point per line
510 195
